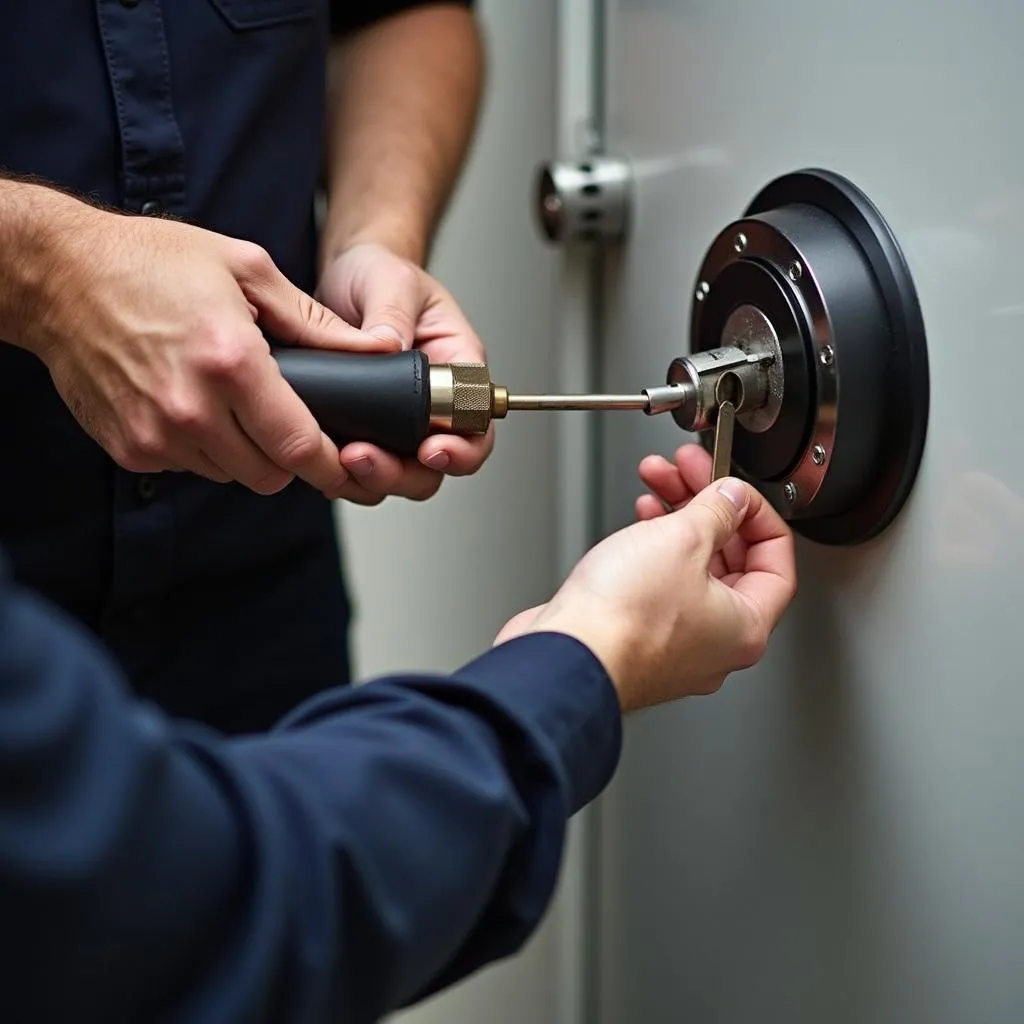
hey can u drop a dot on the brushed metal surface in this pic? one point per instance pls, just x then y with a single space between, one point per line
839 834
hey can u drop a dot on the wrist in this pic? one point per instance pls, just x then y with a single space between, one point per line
38 227
401 236
610 645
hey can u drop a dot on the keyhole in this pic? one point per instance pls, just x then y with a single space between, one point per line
729 389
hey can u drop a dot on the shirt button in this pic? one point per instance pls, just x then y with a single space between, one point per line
129 3
151 207
146 488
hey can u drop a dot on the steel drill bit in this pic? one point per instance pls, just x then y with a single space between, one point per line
650 401
576 402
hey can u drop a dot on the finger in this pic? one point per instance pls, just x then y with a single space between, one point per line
352 491
291 315
381 472
441 321
762 522
457 456
734 554
769 579
391 304
282 427
694 465
666 481
650 507
715 514
770 592
208 468
229 437
229 450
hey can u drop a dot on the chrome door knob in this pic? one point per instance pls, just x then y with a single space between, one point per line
583 200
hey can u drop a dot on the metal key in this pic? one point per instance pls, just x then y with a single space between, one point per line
729 395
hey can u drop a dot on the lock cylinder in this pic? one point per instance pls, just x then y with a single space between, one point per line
703 372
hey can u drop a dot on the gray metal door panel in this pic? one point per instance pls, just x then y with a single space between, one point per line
839 834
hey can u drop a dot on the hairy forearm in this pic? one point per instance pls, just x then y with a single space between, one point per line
36 225
403 100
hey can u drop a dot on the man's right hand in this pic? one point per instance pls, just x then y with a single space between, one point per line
672 604
151 331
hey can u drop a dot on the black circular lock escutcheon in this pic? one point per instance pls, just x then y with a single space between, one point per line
817 259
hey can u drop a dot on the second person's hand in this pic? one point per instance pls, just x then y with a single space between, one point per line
392 298
674 603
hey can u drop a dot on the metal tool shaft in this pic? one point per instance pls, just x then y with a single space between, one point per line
577 402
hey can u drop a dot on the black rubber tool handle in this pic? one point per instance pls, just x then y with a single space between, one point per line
382 399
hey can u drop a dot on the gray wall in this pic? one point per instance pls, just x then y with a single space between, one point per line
838 835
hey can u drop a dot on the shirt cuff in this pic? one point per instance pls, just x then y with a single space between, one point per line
559 692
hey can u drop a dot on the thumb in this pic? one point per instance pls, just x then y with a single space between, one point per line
391 307
716 513
296 318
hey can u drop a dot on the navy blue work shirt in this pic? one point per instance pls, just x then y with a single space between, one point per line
220 604
384 841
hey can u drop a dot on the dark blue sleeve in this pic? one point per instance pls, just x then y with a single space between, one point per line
347 15
383 842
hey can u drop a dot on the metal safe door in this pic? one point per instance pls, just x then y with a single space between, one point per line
838 835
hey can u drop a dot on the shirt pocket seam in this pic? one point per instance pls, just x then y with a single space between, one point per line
249 15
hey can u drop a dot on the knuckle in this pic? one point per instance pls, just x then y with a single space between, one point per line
224 358
722 520
315 313
753 645
689 536
184 413
406 277
253 260
128 457
299 447
395 313
143 444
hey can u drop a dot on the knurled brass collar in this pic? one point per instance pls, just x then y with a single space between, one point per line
462 398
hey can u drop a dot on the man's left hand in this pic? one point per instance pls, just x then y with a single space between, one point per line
391 297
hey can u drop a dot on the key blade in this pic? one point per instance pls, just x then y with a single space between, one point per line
721 460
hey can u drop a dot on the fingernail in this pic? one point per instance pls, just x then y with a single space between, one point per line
386 332
361 467
438 461
734 491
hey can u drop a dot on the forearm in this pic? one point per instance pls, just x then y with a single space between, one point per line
403 100
390 839
37 226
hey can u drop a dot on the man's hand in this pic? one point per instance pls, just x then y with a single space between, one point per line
151 332
393 299
674 603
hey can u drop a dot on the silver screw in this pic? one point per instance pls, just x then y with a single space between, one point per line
827 356
818 455
702 291
796 270
789 492
740 242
